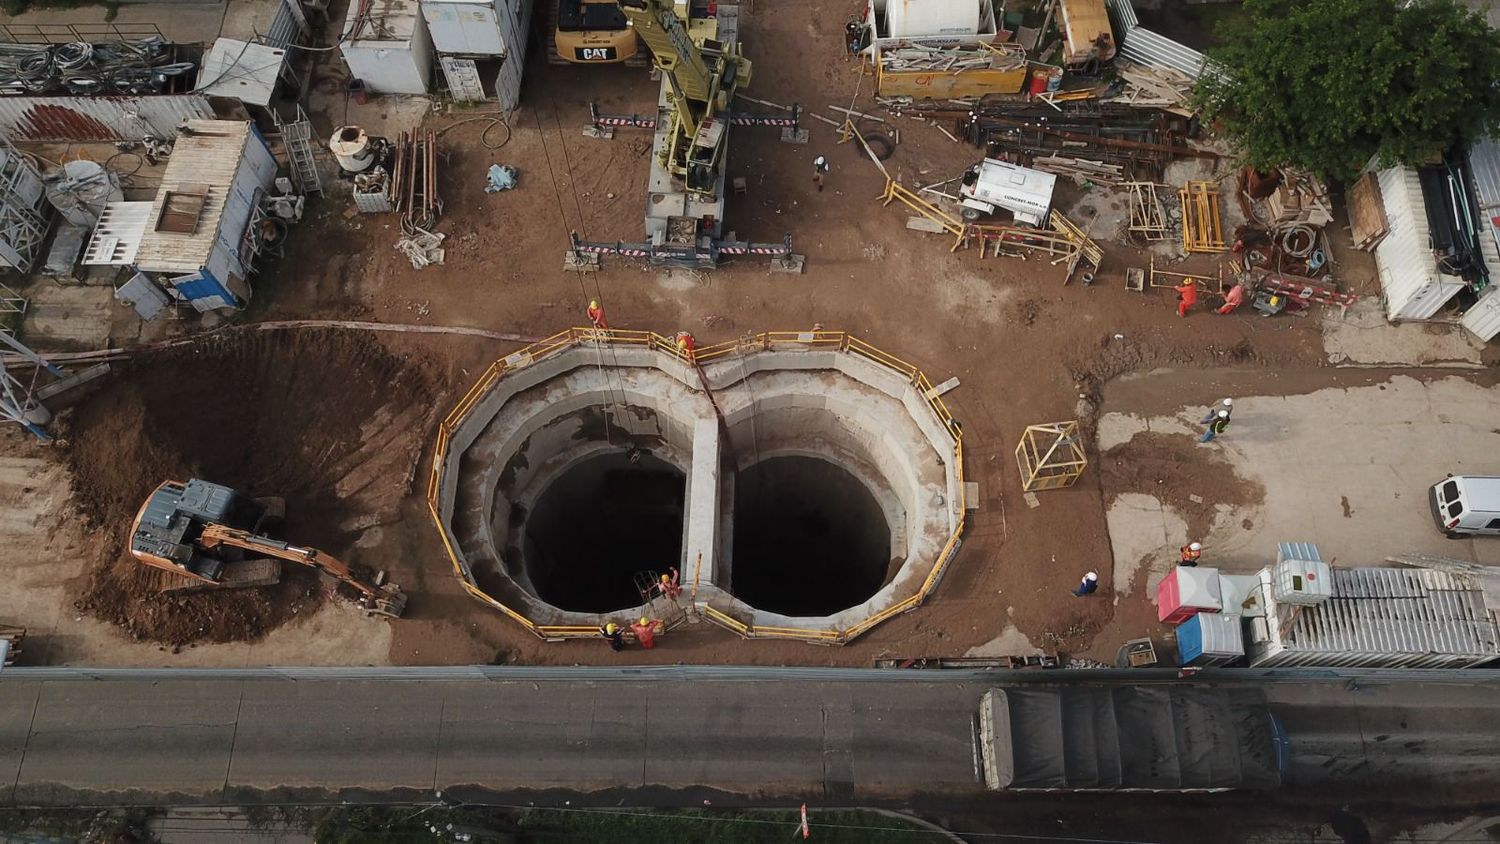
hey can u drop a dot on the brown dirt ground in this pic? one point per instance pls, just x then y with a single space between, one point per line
1172 468
1026 348
330 421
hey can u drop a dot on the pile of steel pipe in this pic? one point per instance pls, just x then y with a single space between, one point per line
414 179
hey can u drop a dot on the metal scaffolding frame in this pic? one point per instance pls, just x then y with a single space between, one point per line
18 400
23 220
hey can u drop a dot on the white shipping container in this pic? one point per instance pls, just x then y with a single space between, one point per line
1380 618
392 52
465 27
945 24
908 18
1410 283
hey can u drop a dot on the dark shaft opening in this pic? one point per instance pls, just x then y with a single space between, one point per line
599 524
809 538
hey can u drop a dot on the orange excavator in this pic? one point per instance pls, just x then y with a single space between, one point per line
208 536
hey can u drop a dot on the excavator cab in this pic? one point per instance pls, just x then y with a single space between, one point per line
166 529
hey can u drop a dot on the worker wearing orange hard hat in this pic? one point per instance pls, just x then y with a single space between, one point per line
645 632
596 315
1187 293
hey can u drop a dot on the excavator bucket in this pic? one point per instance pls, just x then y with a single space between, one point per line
391 602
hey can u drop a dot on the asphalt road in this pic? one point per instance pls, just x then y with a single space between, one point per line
200 739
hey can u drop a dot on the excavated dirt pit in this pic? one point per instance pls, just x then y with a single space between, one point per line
809 538
330 421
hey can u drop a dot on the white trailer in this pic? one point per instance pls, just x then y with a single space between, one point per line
932 23
480 42
993 185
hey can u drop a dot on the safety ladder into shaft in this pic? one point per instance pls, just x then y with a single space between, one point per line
298 138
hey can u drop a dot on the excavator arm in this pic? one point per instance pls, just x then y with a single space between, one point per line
385 600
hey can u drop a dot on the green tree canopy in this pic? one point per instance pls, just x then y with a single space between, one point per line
1327 84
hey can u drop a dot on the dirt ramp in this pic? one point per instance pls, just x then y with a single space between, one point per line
329 420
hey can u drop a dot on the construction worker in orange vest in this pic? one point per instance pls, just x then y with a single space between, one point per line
669 585
1190 554
596 315
686 344
645 632
1188 296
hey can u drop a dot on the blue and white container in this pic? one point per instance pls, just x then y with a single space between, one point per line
1207 639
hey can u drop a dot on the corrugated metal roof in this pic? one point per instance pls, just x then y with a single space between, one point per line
1404 258
1142 46
98 118
209 153
239 69
1123 12
1397 611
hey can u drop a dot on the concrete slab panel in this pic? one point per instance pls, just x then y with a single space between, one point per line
741 736
18 702
342 744
932 732
166 737
542 735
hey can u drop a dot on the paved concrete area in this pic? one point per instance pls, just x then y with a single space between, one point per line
219 741
1361 335
1344 467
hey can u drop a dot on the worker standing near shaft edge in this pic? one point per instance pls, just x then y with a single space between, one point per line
820 169
612 635
645 632
670 586
1187 293
686 344
1189 554
596 315
1088 586
1216 427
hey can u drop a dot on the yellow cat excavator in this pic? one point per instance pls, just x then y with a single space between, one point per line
208 536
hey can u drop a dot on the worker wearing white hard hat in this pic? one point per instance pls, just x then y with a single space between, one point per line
1225 407
1088 586
1190 553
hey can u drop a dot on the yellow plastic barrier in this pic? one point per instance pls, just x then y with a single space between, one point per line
773 340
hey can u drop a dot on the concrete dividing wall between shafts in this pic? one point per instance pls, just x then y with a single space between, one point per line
870 413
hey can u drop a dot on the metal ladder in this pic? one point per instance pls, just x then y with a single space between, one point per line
298 138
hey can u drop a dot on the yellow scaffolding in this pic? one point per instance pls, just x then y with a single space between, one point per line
1050 456
1202 229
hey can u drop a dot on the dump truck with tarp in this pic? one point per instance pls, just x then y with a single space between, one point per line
1130 738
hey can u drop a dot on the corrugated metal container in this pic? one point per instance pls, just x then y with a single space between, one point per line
1381 618
1187 590
99 118
392 52
207 266
241 70
465 27
1409 279
915 18
1483 317
1210 639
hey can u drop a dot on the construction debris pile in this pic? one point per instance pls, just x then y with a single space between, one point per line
1153 87
1100 142
149 66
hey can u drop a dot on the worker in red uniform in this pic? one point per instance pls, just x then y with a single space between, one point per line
686 344
1189 554
1187 293
669 586
645 632
1233 299
596 315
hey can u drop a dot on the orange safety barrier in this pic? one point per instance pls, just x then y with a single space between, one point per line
779 340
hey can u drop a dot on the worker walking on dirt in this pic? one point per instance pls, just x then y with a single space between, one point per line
686 344
612 635
645 631
596 315
1233 299
1188 554
1218 426
1187 293
1088 586
854 35
820 169
1227 406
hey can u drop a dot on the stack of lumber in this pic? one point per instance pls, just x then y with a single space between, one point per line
1153 87
1081 168
1300 199
1367 221
919 58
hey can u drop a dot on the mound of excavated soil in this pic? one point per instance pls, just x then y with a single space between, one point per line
331 421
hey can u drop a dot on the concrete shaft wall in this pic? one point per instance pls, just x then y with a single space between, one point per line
537 422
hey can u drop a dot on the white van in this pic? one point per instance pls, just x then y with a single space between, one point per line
1467 505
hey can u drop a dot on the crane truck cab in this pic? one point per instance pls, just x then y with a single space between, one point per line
993 185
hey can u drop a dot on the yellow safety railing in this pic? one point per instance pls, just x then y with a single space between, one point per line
772 340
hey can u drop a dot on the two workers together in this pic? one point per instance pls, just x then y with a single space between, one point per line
686 345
